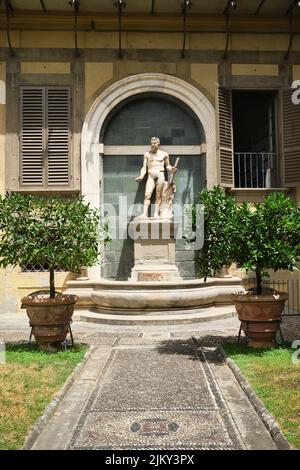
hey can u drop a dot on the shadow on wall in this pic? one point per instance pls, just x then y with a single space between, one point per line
126 261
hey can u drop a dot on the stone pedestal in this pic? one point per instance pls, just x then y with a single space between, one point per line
154 250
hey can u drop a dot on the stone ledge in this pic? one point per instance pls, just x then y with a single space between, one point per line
156 318
255 194
159 299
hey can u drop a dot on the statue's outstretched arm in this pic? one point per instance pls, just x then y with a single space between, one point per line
169 167
143 170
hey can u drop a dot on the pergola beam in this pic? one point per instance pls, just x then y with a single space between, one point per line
152 7
291 7
229 4
186 4
43 6
75 4
120 4
287 55
9 5
290 12
261 4
9 10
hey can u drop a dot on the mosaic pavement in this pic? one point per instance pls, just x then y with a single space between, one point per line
152 388
146 400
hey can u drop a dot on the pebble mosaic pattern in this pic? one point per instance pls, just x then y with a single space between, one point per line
139 406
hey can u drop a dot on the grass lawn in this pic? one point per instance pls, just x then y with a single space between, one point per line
276 380
28 381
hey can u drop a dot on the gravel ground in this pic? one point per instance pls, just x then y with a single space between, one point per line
14 327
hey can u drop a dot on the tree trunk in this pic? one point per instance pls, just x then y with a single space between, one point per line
52 284
258 282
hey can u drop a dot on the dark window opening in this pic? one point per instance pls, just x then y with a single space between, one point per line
254 133
141 117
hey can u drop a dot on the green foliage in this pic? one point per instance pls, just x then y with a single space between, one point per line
49 231
220 213
267 236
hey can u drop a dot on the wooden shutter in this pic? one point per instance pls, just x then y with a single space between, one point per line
58 142
225 136
291 139
32 136
45 136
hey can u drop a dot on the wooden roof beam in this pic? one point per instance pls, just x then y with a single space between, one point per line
120 5
152 7
9 6
185 6
261 4
43 6
75 4
9 11
292 6
290 12
229 4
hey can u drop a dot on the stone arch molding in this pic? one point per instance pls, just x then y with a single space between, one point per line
91 149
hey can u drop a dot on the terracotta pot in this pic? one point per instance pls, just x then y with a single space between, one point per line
260 316
223 272
49 318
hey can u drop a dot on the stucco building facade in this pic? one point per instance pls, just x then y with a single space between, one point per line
85 86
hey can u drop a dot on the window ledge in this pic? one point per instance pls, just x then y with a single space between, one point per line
255 194
47 191
259 191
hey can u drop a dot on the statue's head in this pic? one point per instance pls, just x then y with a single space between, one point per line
155 142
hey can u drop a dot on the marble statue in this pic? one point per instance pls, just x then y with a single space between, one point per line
155 163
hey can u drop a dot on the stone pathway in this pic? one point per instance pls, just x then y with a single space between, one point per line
155 393
158 388
160 396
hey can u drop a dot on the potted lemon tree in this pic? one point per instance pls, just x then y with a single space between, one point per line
267 238
52 232
220 225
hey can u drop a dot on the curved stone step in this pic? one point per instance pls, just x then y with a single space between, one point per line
203 315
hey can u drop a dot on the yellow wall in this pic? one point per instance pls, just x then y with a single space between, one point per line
261 42
14 284
154 40
255 69
53 39
296 72
45 67
14 37
96 76
105 40
205 75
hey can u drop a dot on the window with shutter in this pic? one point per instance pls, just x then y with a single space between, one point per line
291 139
32 136
45 136
225 136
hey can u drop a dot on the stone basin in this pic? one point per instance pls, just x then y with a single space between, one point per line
155 297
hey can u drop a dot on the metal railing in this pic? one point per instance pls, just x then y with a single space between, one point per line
254 170
39 268
291 287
